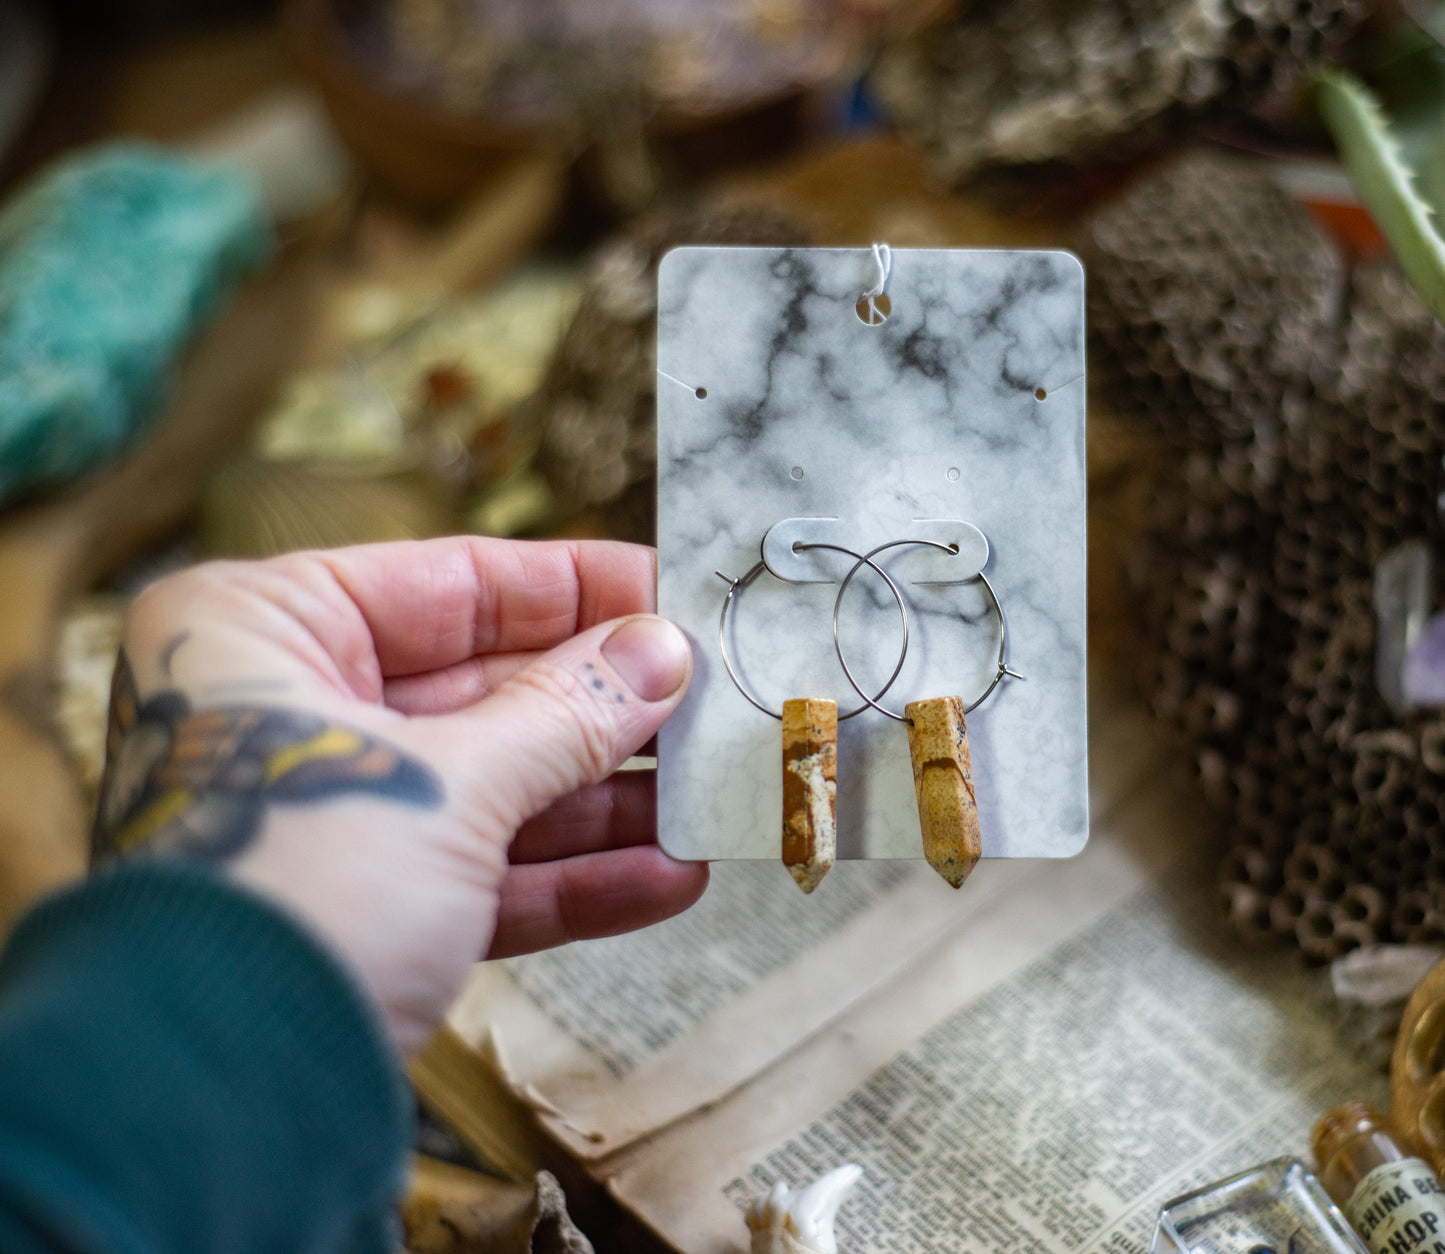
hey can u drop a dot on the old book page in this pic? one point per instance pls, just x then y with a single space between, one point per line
1033 1064
613 1040
626 1036
1089 1046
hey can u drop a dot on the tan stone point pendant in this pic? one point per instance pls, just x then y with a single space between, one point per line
810 789
943 780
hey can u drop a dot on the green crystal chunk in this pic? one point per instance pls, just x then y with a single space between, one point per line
109 263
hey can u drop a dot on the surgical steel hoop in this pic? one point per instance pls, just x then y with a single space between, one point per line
735 585
1002 666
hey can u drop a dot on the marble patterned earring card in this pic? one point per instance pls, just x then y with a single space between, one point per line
962 413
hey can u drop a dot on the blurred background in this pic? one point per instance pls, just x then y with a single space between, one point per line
329 271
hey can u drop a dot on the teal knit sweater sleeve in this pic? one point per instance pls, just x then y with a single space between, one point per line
183 1069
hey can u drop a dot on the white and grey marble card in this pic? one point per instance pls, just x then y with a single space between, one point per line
776 402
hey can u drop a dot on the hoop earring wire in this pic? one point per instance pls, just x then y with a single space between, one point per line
1002 667
736 585
810 744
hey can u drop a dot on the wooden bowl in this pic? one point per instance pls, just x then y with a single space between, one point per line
432 156
416 149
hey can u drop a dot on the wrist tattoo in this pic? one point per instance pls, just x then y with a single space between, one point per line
197 782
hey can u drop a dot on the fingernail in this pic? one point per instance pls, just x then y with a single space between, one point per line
650 656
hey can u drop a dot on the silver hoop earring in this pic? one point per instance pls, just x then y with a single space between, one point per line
810 743
938 744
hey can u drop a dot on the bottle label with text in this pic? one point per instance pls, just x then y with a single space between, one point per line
1399 1208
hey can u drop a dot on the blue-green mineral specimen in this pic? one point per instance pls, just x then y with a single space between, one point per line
109 264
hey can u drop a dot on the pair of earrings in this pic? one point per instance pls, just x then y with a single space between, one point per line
942 780
937 745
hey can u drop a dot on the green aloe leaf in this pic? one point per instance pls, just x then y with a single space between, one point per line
1371 152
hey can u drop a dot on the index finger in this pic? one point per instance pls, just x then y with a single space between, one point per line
430 604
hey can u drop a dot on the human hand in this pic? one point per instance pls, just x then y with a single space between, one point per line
410 747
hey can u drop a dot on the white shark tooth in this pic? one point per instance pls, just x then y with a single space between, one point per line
800 1221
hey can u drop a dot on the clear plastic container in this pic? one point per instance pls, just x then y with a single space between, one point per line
1276 1208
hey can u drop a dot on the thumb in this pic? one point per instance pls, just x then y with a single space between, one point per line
569 718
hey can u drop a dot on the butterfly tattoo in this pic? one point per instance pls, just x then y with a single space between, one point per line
197 782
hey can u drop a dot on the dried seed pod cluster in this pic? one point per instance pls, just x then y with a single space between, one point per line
1207 302
599 400
1024 82
1304 404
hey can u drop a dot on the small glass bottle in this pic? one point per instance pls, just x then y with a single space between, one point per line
1392 1199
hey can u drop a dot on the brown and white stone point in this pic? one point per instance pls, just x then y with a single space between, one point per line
810 789
943 780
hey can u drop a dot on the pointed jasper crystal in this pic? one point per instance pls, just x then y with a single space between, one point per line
943 780
810 789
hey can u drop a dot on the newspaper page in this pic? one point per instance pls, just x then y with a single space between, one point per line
611 1040
1070 1060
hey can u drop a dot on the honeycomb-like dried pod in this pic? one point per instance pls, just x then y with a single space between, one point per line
1248 911
598 402
1303 404
1211 275
1009 83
